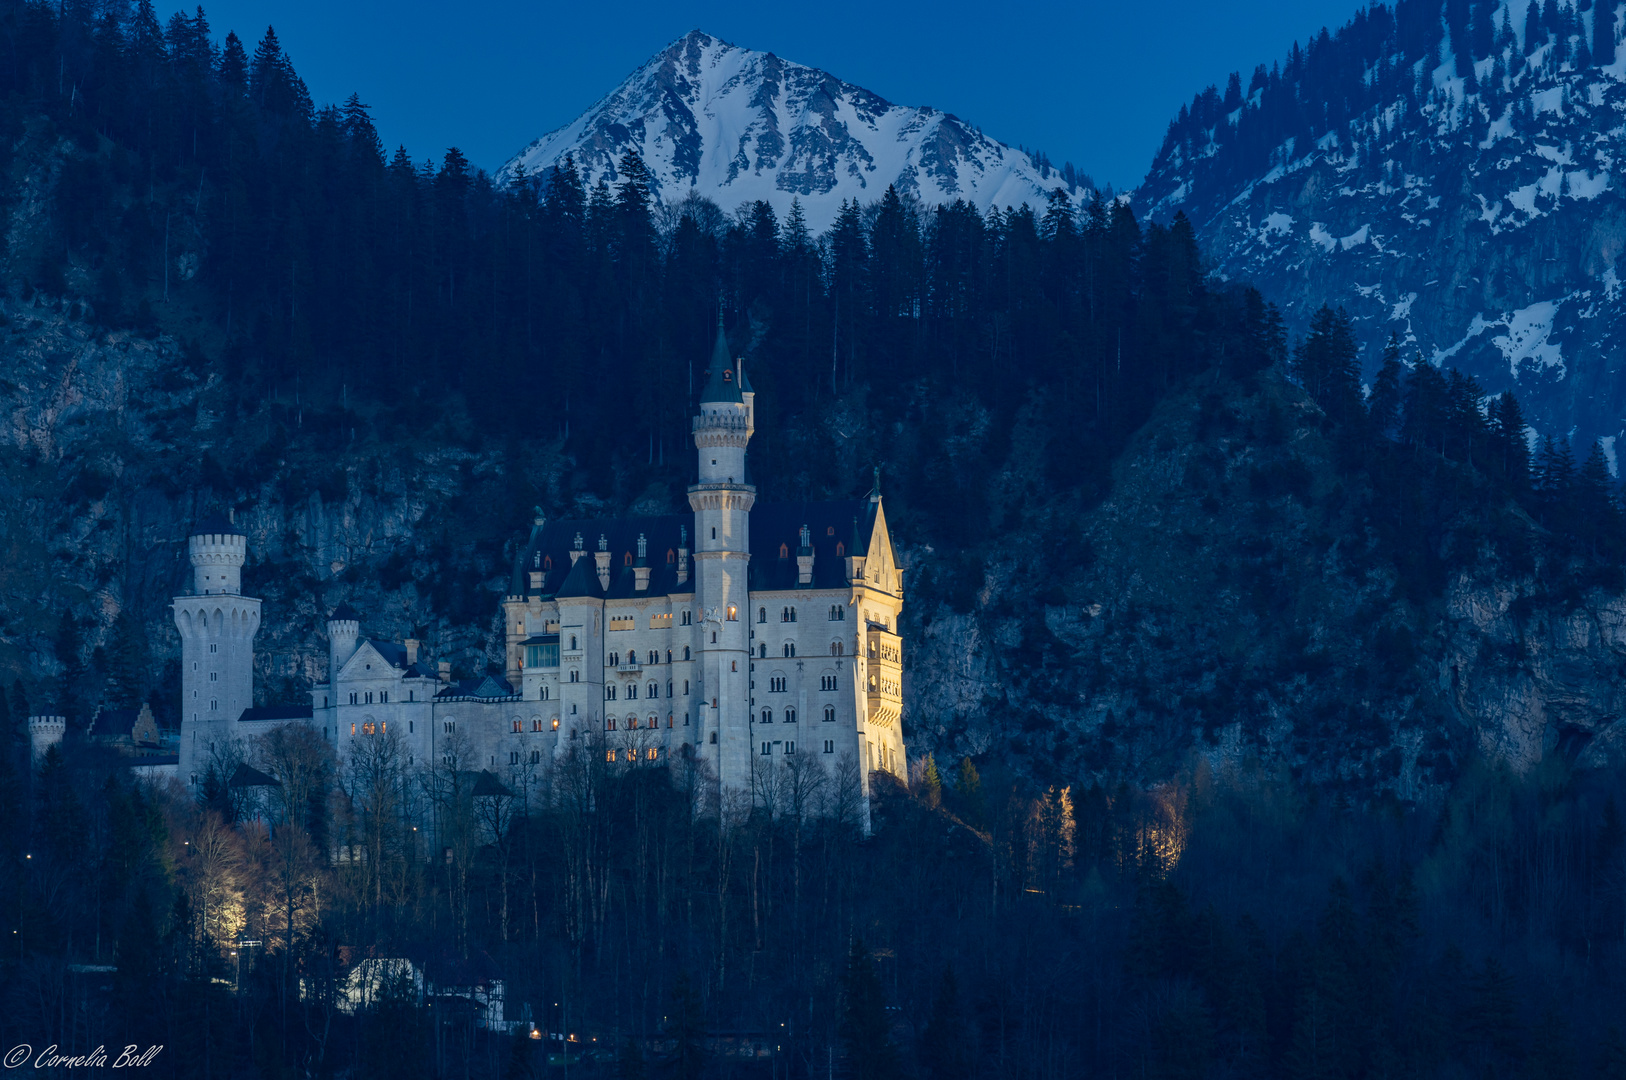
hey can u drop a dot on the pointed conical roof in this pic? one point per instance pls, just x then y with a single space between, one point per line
721 385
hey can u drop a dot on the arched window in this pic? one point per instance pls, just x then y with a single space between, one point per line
615 659
763 650
792 614
654 657
632 691
829 530
784 551
609 724
573 643
668 656
790 716
671 556
767 716
654 690
626 559
784 614
685 652
733 613
668 687
829 714
547 563
835 648
609 692
841 549
517 727
762 614
790 648
575 676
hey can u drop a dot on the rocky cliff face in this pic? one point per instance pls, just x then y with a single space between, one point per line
1236 603
1469 207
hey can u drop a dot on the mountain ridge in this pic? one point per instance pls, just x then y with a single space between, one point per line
739 125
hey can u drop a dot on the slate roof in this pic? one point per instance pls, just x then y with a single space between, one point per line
248 776
772 524
720 384
276 712
344 612
486 686
393 652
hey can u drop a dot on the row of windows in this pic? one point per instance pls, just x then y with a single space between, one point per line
367 698
614 659
659 621
368 727
629 756
651 691
536 724
767 748
631 722
514 757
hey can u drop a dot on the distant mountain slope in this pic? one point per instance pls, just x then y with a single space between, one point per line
735 125
1446 171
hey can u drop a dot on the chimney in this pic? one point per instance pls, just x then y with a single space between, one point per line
445 667
640 569
804 559
411 644
683 557
576 549
536 581
602 557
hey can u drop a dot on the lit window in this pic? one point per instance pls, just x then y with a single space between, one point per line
609 723
733 613
653 753
609 755
556 723
516 727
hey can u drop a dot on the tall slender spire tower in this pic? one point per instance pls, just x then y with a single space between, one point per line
722 502
217 624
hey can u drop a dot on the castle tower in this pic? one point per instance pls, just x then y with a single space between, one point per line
45 732
343 631
722 502
217 626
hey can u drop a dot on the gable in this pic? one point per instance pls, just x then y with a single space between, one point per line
369 662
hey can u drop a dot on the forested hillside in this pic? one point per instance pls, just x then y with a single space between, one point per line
1276 727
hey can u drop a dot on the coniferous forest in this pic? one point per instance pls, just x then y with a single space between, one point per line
1011 914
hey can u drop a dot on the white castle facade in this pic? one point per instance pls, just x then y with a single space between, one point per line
739 634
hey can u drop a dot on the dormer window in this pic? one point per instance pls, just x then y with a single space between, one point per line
671 556
728 376
841 549
784 551
626 560
547 563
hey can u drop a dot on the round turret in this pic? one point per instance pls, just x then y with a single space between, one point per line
343 631
217 549
45 732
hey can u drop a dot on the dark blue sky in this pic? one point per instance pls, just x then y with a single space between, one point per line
1091 83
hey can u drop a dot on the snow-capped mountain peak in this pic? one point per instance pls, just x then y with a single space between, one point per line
738 125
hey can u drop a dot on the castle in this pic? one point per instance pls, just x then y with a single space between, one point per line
738 634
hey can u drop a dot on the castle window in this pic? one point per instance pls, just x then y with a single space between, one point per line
685 652
668 718
575 676
324 701
516 727
790 716
626 559
609 692
214 646
412 695
384 697
543 694
194 665
536 723
829 530
714 738
686 618
776 684
668 656
573 643
513 757
369 728
685 687
762 614
767 716
765 748
632 692
829 714
214 676
671 556
654 657
652 753
536 757
762 651
654 690
615 659
547 563
411 726
451 726
827 682
352 729
784 551
733 665
714 528
733 613
556 723
369 697
790 748
836 648
609 723
841 549
829 746
609 755
213 704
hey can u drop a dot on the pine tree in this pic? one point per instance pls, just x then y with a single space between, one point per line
1597 516
864 1026
1603 33
1534 36
1383 407
931 785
